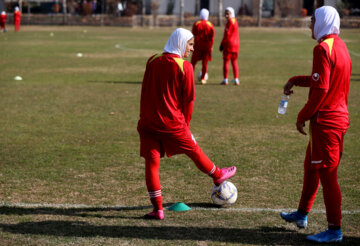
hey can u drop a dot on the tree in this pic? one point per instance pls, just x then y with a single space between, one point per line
220 11
259 13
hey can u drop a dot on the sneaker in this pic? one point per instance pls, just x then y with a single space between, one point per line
158 215
328 236
236 81
203 81
224 82
226 173
299 219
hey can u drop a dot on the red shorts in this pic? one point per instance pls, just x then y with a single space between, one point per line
230 55
153 145
199 55
326 145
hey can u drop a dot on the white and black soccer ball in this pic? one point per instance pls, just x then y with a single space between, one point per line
199 76
224 195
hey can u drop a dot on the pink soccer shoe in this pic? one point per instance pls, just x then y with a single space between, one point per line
226 173
157 215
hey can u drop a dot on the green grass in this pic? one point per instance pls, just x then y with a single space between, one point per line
68 136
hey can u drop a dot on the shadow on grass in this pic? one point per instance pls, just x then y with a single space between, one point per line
257 236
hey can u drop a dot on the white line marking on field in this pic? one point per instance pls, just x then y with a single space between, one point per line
119 207
353 53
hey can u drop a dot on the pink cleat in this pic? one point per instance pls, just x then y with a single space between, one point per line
158 215
226 173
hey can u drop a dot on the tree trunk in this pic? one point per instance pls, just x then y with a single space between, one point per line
259 13
181 12
220 12
64 12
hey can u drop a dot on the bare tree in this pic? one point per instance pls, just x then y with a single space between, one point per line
143 12
181 12
259 13
220 11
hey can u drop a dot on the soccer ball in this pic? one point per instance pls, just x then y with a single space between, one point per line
224 195
199 76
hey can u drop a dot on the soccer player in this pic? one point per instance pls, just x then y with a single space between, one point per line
3 19
230 46
17 19
327 111
166 106
204 33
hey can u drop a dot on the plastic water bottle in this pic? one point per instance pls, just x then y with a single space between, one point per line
283 104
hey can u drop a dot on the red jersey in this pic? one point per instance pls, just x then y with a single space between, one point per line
17 18
231 40
204 33
167 94
329 84
3 19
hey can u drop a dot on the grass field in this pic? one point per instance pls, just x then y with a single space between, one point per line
68 137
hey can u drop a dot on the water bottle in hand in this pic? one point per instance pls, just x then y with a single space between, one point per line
283 104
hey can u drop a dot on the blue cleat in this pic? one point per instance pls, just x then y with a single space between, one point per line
299 219
328 236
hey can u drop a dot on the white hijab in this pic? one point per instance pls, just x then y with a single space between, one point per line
204 14
178 41
327 21
232 11
3 13
17 9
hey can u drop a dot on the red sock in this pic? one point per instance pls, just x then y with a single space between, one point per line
153 182
204 164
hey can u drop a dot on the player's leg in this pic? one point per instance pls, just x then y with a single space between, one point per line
151 149
235 68
311 183
332 196
153 186
332 151
204 68
226 61
185 143
205 165
332 199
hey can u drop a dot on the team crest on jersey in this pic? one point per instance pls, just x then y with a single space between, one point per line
315 76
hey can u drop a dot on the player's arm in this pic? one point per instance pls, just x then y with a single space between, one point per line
226 37
303 81
188 92
319 85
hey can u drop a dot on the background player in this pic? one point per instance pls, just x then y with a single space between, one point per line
204 33
166 105
3 19
230 46
17 19
327 111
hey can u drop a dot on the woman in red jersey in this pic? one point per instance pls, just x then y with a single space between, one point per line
17 19
230 46
204 33
3 19
327 111
166 105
